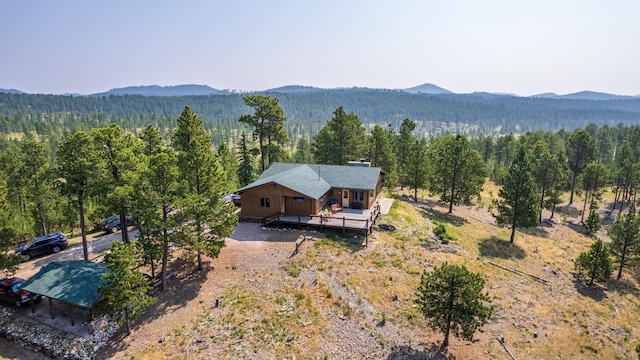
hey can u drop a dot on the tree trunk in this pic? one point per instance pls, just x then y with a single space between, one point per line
622 260
584 206
200 260
541 206
85 248
445 343
126 321
513 234
573 187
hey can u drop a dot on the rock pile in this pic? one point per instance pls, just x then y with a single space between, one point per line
53 343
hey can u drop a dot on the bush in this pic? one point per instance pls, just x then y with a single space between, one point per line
440 231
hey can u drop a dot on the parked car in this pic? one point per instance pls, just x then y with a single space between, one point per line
10 292
44 244
112 224
232 198
236 200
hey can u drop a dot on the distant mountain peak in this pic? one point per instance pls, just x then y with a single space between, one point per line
294 89
427 88
158 90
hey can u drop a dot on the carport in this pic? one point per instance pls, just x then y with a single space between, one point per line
74 283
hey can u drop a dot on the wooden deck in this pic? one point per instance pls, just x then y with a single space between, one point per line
345 220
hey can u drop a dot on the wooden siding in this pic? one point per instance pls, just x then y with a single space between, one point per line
282 200
277 196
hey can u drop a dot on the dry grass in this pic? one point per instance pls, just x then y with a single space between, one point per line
291 310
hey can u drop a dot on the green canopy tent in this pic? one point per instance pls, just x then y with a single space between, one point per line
74 282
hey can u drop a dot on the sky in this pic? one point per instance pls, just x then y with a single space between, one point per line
513 46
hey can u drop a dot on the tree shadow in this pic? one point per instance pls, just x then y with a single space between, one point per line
181 289
498 248
624 286
538 231
577 227
444 217
596 292
405 352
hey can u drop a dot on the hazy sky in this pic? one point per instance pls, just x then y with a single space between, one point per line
512 46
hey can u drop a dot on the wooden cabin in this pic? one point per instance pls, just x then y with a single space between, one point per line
308 189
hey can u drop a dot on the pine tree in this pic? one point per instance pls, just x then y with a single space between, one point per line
123 158
457 171
9 262
581 150
452 300
547 172
78 160
404 141
303 152
246 157
267 122
518 206
341 140
230 165
625 240
596 263
381 153
593 223
416 168
203 177
127 290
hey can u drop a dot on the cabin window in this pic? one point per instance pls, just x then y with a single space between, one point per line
358 195
265 202
299 200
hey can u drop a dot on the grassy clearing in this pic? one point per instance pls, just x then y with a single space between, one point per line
375 287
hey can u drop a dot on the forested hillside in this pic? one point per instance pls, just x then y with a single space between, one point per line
470 114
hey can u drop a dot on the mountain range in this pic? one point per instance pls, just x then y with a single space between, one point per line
431 89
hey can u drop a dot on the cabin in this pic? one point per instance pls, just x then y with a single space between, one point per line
311 189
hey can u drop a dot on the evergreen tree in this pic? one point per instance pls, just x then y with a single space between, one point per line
518 206
593 223
416 174
157 199
381 153
625 240
127 291
340 141
595 264
457 171
9 262
78 162
403 143
123 159
246 157
230 165
452 300
581 150
547 172
203 177
152 139
37 172
303 152
267 122
593 179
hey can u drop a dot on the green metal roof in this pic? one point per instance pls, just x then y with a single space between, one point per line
314 180
75 282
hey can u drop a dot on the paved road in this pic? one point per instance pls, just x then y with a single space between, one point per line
96 245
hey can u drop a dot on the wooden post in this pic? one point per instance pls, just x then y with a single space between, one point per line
298 221
320 222
344 225
33 305
73 323
50 307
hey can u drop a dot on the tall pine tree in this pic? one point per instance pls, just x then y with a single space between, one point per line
203 177
518 204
